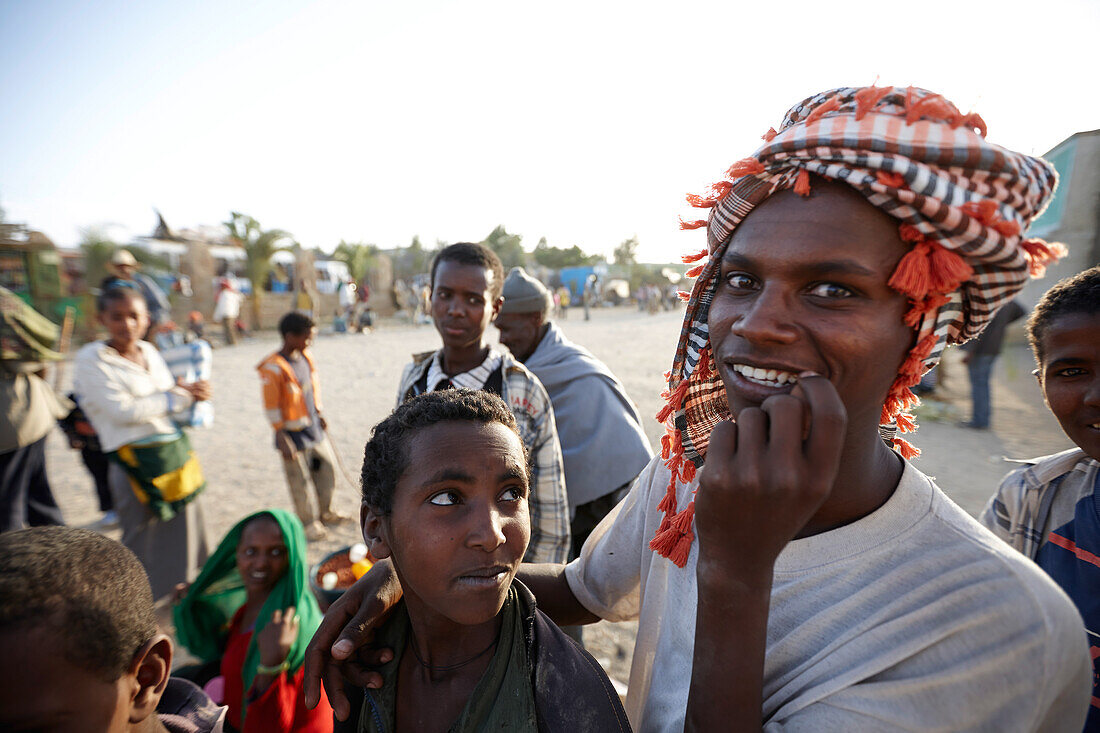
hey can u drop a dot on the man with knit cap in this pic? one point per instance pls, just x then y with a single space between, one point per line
788 566
602 440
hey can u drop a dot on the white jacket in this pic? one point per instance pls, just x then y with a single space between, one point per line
227 306
124 402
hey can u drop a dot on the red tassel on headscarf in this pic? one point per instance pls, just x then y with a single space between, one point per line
948 270
695 271
896 180
688 259
975 122
717 192
675 398
905 421
802 183
828 105
745 167
769 135
1040 254
682 525
697 224
683 295
987 213
868 97
922 308
907 450
913 275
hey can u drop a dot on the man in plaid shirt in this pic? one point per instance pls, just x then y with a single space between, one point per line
466 296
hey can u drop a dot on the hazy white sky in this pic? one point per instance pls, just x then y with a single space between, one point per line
584 122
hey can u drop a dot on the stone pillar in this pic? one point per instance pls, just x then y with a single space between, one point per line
380 277
198 264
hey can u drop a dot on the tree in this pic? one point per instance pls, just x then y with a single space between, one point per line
357 256
97 247
258 245
557 258
626 253
509 247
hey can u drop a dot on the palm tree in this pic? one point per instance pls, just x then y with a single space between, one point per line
259 245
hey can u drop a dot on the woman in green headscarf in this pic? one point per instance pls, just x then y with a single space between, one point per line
252 609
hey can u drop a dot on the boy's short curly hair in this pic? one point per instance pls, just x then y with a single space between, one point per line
1077 294
386 455
478 255
90 592
295 323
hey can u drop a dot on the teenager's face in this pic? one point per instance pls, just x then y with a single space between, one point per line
126 320
803 288
520 332
261 555
462 303
41 691
300 341
1070 377
460 523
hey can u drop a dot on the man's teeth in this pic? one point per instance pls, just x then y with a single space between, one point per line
769 377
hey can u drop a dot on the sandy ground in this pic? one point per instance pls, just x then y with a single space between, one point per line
359 375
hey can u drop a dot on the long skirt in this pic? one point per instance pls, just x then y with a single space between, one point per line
173 551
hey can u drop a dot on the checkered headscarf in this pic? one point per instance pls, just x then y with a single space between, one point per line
963 204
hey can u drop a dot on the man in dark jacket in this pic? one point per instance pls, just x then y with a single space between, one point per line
979 357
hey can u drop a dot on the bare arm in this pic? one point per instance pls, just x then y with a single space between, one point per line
555 598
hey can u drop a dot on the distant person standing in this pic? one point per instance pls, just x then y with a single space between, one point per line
979 356
125 272
28 410
602 441
292 403
227 309
303 299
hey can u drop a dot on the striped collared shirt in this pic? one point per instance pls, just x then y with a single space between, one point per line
473 379
1039 497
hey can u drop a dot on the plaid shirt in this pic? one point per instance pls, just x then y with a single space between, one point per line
192 362
1039 497
526 397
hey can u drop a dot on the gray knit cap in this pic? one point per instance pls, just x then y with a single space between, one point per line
524 294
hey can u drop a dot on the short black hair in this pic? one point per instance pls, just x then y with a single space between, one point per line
90 592
386 455
478 255
1077 294
117 293
295 323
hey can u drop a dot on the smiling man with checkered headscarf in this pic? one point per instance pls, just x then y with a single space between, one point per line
788 567
785 561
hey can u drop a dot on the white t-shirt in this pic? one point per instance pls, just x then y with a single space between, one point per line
912 618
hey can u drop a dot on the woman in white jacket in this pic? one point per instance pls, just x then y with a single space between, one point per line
129 396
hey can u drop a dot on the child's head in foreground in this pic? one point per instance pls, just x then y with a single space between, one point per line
1064 331
445 486
80 641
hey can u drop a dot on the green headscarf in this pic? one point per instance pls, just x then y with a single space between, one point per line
202 618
